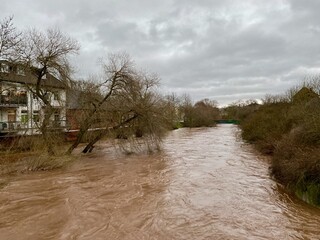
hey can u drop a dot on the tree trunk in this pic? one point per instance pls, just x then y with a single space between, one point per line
90 145
104 132
77 141
83 129
45 130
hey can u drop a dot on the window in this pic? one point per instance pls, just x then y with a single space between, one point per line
35 116
21 71
4 68
57 116
12 118
24 116
56 96
13 92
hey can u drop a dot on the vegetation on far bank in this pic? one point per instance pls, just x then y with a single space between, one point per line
288 128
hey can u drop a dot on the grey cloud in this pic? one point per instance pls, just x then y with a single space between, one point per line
219 49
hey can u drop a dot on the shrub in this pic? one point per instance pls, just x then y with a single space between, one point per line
266 125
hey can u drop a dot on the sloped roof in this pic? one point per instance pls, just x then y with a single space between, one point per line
29 78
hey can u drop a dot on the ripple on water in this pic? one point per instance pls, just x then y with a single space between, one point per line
205 184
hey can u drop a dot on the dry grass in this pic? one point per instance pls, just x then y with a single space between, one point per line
45 162
35 161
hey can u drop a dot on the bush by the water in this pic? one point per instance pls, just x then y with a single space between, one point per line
289 130
267 125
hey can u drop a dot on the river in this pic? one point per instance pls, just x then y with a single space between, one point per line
205 184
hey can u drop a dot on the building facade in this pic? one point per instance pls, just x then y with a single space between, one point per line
21 111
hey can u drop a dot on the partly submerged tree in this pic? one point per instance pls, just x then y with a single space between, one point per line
126 104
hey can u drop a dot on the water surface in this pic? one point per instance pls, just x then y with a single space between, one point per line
205 184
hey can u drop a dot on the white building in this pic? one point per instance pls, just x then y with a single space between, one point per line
20 110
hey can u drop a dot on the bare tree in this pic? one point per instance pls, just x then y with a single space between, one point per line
172 114
137 111
10 40
117 72
205 112
127 104
187 110
202 113
46 54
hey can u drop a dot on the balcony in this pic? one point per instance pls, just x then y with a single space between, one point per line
9 128
23 128
13 101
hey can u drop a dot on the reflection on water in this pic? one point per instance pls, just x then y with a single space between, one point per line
206 184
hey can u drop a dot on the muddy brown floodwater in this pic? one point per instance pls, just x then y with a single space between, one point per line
206 184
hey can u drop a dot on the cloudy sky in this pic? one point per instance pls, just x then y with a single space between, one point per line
218 49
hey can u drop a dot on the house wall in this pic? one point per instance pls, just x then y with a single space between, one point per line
5 88
26 108
25 114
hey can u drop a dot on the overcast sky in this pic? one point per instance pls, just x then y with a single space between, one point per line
218 49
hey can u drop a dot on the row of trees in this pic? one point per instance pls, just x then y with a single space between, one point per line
201 114
123 101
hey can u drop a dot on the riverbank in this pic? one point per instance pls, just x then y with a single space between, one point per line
20 162
289 131
29 155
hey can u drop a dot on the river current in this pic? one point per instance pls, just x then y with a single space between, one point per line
205 184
